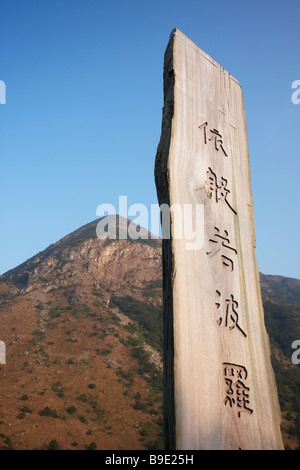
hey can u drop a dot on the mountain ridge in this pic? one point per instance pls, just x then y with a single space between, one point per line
88 231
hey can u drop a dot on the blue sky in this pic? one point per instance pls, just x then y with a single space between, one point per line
83 110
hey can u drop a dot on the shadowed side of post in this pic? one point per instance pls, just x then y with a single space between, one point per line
162 185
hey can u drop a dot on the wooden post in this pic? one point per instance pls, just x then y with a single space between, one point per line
219 386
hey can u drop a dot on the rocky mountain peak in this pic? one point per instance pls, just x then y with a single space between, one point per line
82 260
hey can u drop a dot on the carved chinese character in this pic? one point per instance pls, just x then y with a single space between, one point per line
237 393
216 137
222 243
229 315
215 191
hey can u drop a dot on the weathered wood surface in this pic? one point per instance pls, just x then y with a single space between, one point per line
219 386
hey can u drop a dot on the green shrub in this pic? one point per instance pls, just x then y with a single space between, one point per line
25 409
58 389
24 397
47 411
92 446
83 398
71 409
54 445
82 419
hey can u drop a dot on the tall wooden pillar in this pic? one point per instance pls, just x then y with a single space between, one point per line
219 386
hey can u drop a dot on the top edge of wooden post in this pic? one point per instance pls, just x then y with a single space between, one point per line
183 37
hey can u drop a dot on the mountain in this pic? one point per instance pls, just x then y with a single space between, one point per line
282 321
280 288
82 324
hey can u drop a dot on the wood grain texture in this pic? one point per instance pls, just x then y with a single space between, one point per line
219 386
